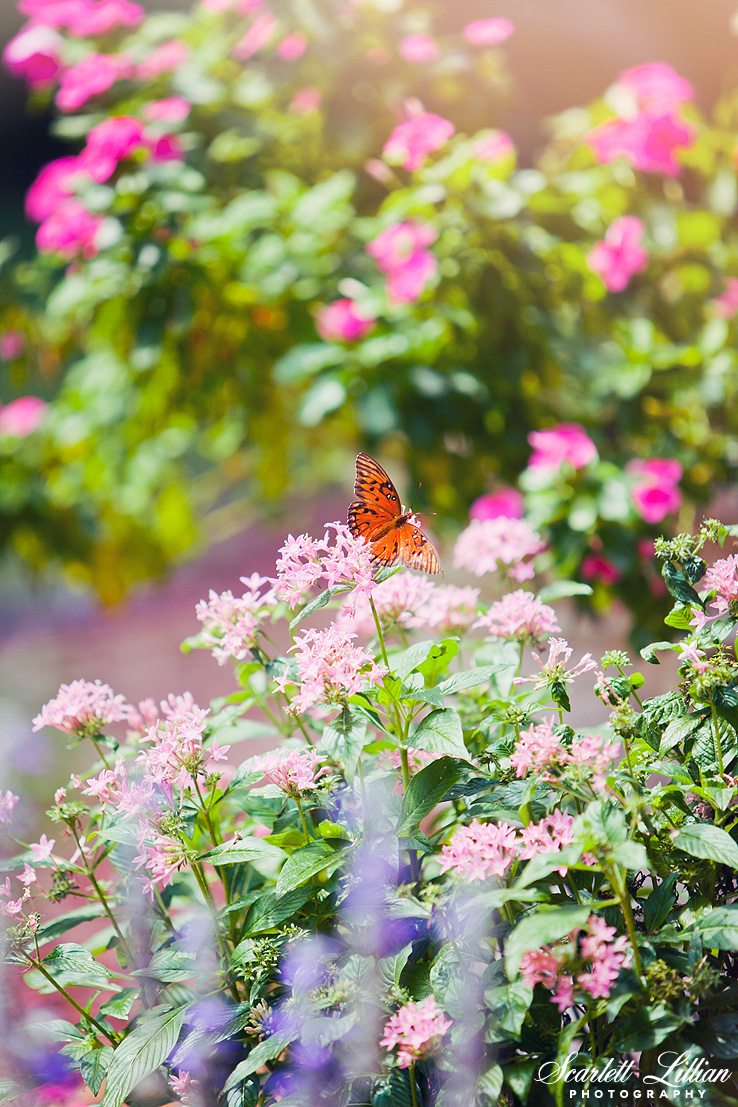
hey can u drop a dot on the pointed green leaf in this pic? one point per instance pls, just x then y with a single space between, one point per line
241 850
709 842
426 789
312 859
141 1053
440 732
344 738
94 1066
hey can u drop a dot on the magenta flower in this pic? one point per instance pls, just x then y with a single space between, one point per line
343 321
232 624
480 850
726 304
596 567
259 35
656 492
21 417
400 252
294 771
83 708
493 146
12 344
94 75
566 443
36 54
488 32
164 58
656 82
69 231
507 503
8 801
84 18
54 183
418 49
172 109
519 617
412 141
621 255
490 545
649 141
330 668
292 46
306 100
417 1028
109 142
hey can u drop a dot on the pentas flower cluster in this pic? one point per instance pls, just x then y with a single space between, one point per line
722 578
231 624
409 601
412 141
519 617
592 963
176 754
541 751
417 1028
330 669
304 562
401 251
294 771
83 708
482 850
567 443
621 255
488 545
554 670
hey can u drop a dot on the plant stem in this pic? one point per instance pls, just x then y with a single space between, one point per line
413 1091
70 999
103 758
618 885
716 739
101 896
304 820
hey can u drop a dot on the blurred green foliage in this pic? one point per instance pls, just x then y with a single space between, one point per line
187 374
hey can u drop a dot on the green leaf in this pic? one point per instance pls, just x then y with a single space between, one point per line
680 617
719 928
9 1090
631 855
241 850
269 911
344 739
62 923
93 1067
645 1029
119 1007
403 663
320 601
425 790
659 903
508 1004
648 653
142 1052
542 864
470 678
561 589
308 861
440 732
709 842
679 586
539 929
265 1051
489 1086
70 963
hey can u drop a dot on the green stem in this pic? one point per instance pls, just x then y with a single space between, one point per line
618 886
413 1091
304 820
216 840
716 739
70 999
103 758
210 904
101 896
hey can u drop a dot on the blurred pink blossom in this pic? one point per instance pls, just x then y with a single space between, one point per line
35 53
596 567
292 46
649 141
42 849
172 109
507 503
493 146
69 231
306 100
92 76
83 708
54 183
565 443
412 141
109 142
293 771
21 417
8 801
418 49
259 35
84 18
12 344
417 1028
488 32
656 82
491 545
621 255
722 578
656 492
726 304
519 616
343 321
164 58
400 252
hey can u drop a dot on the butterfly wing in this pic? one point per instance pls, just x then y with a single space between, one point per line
374 488
408 546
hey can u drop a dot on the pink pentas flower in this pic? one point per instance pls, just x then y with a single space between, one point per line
343 321
550 835
12 344
491 545
306 100
648 142
161 859
164 58
69 231
259 35
493 147
330 669
292 46
304 561
294 771
83 708
21 417
42 849
656 82
28 876
412 141
401 252
418 49
109 142
538 749
519 617
596 567
36 54
722 579
696 658
621 255
488 32
8 801
507 503
656 491
232 625
726 304
144 715
11 908
54 183
398 602
172 109
567 443
448 608
417 1028
94 75
480 850
177 752
554 669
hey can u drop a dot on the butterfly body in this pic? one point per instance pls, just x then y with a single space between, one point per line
376 515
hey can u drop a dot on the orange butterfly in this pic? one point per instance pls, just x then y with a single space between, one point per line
376 515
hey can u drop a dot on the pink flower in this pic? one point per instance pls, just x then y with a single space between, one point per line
292 46
550 835
722 578
507 503
480 850
84 18
538 748
164 58
400 252
21 417
596 567
306 100
343 321
411 142
656 82
304 561
566 443
648 142
489 545
259 35
162 859
36 54
185 1088
12 344
726 304
28 876
656 492
541 966
294 771
519 616
418 49
488 32
12 908
330 669
173 109
554 671
493 146
54 183
94 75
69 231
448 608
41 850
621 255
83 708
232 625
8 801
109 142
417 1028
398 601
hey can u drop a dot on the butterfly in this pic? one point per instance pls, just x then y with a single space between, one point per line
376 515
